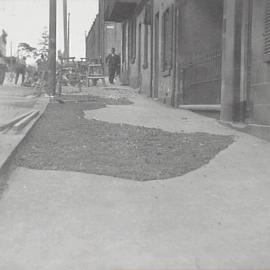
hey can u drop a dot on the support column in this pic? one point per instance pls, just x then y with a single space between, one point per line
231 60
65 27
245 86
52 48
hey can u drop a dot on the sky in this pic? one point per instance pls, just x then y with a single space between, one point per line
25 20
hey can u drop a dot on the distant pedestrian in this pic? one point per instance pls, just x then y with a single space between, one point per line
113 61
20 69
3 69
42 66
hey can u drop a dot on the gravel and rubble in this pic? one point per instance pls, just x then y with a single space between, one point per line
64 140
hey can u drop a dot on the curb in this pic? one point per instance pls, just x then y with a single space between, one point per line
14 121
23 122
260 131
37 112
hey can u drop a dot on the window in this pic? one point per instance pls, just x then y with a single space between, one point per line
267 32
167 36
146 31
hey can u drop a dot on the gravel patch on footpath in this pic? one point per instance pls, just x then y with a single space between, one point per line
64 140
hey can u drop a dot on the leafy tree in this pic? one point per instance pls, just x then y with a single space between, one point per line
26 50
43 44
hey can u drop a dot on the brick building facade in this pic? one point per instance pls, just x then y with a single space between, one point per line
207 52
102 37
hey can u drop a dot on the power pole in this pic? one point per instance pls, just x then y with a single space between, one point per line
52 48
68 35
65 28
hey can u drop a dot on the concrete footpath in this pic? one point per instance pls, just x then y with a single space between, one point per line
216 217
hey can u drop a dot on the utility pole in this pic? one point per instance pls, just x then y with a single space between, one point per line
52 48
68 35
65 28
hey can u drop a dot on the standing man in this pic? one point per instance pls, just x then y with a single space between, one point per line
113 61
3 69
42 65
20 69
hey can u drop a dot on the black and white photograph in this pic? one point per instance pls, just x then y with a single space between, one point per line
134 134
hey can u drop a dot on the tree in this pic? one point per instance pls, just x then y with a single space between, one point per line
44 44
26 50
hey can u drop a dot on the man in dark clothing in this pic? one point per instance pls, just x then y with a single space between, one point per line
20 69
113 60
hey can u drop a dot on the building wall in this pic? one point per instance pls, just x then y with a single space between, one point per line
92 41
139 77
200 45
201 31
125 54
132 63
260 72
136 71
101 26
246 82
113 37
106 33
163 87
202 26
146 67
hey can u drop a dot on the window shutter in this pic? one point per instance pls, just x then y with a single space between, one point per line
267 32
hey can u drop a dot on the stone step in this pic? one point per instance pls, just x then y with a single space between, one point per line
201 107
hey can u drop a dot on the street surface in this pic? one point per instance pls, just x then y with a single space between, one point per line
15 100
216 217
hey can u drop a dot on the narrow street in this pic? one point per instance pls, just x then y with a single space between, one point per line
215 216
